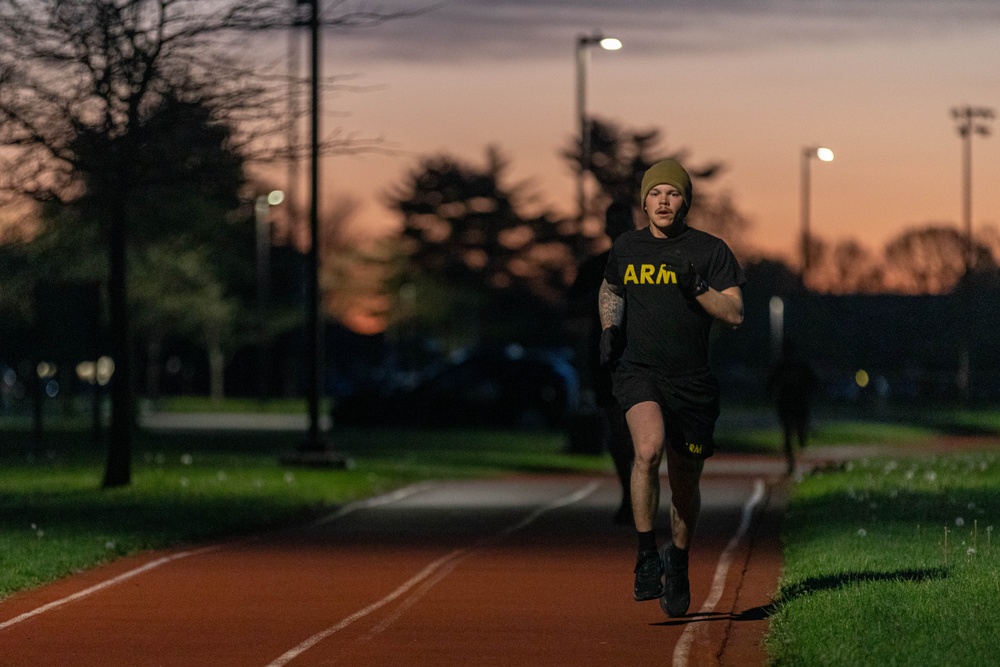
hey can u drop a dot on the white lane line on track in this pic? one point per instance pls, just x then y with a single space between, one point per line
408 603
446 570
384 499
683 647
152 565
448 561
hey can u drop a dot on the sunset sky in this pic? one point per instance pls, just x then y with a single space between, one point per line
747 83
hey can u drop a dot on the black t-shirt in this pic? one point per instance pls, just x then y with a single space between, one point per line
666 330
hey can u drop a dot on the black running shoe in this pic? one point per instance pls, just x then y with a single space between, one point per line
677 596
648 576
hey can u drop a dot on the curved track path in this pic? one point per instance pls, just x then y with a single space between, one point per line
523 571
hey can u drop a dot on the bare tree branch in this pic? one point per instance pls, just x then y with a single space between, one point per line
81 84
66 65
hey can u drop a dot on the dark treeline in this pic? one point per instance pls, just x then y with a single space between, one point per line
470 268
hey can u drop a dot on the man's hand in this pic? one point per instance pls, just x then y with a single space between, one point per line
691 282
612 345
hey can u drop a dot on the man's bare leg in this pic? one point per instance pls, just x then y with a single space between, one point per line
684 475
645 422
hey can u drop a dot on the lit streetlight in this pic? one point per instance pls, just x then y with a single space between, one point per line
971 120
583 45
262 216
808 153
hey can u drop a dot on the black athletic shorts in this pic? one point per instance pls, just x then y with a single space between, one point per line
690 404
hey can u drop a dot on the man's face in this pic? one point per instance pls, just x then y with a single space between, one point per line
663 203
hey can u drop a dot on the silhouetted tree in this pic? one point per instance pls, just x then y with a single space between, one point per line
464 227
931 260
845 268
78 81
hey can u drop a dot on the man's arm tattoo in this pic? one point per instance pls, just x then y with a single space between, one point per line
611 306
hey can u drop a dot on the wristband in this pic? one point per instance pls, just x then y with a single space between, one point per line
698 286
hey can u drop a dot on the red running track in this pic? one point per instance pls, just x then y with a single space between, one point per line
521 571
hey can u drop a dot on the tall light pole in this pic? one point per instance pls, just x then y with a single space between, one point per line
315 450
583 44
808 153
294 61
971 120
314 322
262 215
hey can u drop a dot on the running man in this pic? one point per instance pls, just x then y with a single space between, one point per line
671 282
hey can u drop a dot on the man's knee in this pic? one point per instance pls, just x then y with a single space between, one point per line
648 455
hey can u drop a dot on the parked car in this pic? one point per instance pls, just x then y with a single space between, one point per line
508 387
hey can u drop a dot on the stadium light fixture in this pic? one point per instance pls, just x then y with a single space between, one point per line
971 120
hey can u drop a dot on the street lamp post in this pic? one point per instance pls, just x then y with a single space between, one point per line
971 120
808 153
294 62
262 215
315 450
314 334
583 44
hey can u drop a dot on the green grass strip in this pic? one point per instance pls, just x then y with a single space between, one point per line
189 488
892 562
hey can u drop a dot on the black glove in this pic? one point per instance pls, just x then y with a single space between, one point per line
612 345
691 282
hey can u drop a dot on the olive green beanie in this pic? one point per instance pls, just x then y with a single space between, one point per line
670 172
